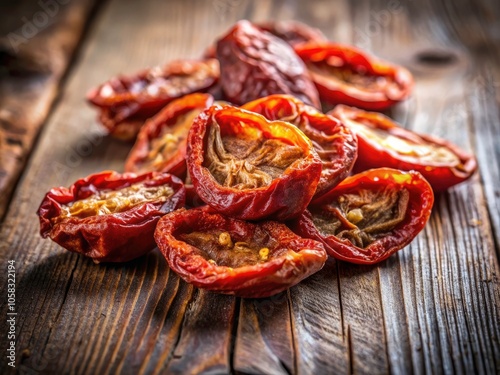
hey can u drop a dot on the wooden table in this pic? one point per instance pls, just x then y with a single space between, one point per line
431 308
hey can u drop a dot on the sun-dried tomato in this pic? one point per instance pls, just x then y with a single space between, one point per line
335 143
255 63
250 168
107 216
161 142
369 216
231 256
346 75
127 101
383 143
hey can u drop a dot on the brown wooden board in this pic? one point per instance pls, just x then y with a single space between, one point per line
434 307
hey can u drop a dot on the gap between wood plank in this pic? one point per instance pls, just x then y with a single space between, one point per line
171 356
292 332
234 333
383 321
340 301
67 288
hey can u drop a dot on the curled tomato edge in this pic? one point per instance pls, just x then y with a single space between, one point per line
313 120
343 93
176 164
229 200
250 281
441 177
421 199
92 235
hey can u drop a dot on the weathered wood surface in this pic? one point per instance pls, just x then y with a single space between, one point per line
432 308
37 42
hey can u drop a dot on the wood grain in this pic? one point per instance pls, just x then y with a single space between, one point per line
264 339
205 342
36 47
432 308
322 341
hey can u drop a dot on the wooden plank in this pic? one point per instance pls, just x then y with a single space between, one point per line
450 302
363 319
38 40
394 308
482 97
321 339
264 341
129 303
206 339
160 337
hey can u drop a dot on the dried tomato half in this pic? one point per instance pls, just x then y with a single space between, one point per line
255 63
346 75
383 143
369 216
335 144
231 256
127 101
250 168
110 217
161 142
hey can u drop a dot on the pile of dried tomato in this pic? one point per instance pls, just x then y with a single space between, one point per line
240 178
